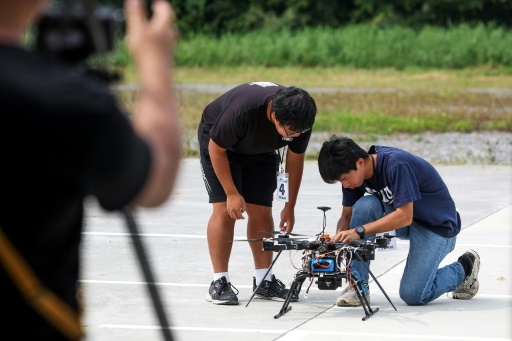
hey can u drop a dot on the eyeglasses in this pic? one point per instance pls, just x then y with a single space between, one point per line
290 133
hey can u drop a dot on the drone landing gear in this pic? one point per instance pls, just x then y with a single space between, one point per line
329 277
368 311
295 290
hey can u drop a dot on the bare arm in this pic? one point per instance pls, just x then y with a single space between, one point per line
235 203
294 168
401 217
151 44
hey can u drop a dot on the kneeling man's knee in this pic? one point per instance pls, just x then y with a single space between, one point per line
411 296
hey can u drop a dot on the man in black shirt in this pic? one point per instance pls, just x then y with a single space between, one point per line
239 134
62 138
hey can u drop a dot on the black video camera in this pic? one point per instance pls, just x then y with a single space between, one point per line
73 32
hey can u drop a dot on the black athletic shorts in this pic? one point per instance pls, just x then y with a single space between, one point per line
254 177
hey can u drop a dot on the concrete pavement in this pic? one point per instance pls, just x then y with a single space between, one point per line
118 307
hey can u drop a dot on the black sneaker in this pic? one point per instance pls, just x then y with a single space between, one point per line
469 287
272 290
221 293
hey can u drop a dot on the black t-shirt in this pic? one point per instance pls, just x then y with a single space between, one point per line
238 121
62 138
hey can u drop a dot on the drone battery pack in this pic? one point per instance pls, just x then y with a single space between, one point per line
323 265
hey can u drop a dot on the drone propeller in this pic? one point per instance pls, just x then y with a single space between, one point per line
282 237
284 233
285 239
247 240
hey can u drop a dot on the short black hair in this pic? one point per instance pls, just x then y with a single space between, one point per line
338 156
294 107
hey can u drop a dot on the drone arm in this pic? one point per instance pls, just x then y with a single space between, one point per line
281 247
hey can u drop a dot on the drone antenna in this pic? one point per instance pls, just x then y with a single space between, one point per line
324 209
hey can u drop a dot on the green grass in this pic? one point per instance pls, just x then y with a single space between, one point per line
359 46
436 101
427 80
353 46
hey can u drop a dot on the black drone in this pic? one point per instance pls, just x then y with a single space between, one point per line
328 262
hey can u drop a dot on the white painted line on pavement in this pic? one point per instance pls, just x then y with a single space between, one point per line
197 285
479 295
185 285
304 334
168 235
160 284
198 329
484 245
149 235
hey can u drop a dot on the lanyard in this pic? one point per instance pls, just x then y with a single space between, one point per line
282 180
281 158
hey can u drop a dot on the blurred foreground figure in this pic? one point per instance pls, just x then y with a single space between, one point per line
64 138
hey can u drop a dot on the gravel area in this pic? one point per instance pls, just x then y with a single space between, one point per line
447 148
486 148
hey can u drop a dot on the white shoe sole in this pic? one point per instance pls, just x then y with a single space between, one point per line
219 302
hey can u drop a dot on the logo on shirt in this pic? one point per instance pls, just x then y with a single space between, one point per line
287 139
385 194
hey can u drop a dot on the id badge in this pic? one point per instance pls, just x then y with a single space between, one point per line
282 187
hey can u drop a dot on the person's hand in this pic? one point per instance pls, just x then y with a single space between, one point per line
150 40
235 204
287 219
346 236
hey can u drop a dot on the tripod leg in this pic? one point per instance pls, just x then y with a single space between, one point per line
270 268
148 275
